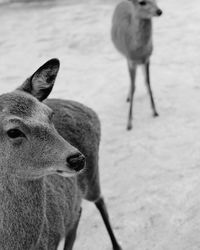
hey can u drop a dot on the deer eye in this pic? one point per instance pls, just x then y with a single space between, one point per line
15 133
142 3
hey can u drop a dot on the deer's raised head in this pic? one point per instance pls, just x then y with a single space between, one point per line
30 146
146 8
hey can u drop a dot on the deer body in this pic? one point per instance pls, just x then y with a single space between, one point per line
80 121
40 157
132 36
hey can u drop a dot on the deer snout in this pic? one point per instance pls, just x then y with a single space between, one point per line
159 12
76 161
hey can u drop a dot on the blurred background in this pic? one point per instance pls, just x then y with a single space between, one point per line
151 175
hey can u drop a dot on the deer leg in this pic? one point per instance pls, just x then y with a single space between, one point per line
129 92
101 206
69 242
132 72
147 76
128 97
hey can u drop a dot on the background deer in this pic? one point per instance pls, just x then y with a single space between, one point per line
42 149
132 35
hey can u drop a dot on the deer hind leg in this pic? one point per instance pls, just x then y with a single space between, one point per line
101 206
94 195
69 241
129 91
147 79
132 71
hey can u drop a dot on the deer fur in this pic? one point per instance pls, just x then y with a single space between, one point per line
131 34
43 175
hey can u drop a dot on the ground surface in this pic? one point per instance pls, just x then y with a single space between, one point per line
151 175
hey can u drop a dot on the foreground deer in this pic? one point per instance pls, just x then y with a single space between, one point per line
40 208
132 36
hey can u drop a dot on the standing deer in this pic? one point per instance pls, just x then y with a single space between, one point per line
43 174
132 36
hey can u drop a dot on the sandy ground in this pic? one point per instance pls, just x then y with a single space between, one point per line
150 176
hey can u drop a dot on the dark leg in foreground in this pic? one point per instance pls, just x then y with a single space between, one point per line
132 72
147 75
100 204
72 235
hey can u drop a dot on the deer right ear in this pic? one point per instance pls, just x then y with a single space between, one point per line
41 82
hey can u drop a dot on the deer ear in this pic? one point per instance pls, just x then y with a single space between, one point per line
41 82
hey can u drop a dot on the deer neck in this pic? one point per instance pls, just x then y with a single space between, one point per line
144 26
21 212
143 31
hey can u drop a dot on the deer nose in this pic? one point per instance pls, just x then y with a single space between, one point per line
76 161
159 12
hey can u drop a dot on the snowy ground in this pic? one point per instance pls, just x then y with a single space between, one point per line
151 175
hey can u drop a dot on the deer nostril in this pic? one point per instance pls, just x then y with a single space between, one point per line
159 12
76 161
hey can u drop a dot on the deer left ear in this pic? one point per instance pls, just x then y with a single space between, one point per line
42 81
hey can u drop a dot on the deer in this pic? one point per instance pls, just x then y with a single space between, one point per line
131 34
49 154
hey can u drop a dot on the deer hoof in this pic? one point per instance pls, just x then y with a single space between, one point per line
155 114
129 126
